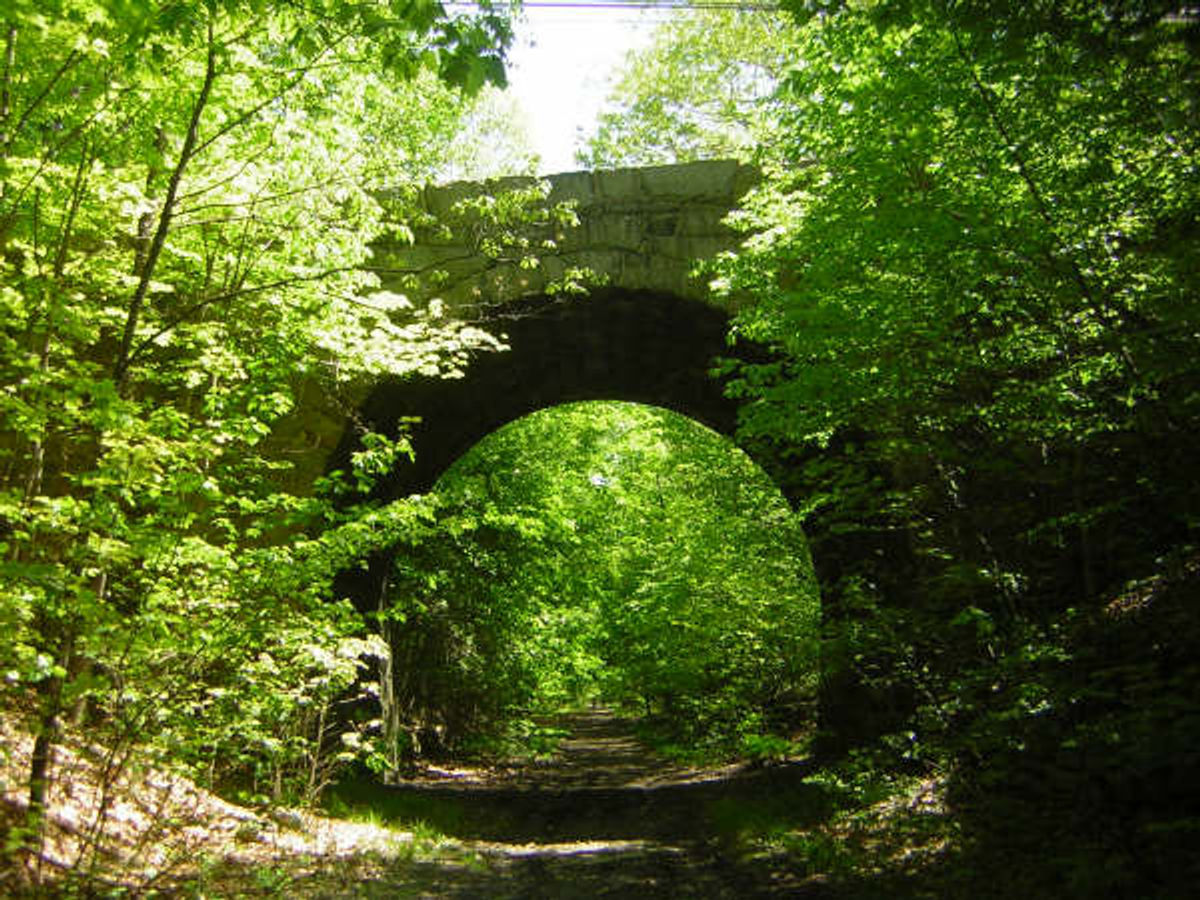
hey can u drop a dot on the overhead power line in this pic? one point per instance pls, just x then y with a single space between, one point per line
741 5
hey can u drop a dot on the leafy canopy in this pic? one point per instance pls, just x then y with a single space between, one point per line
188 191
701 90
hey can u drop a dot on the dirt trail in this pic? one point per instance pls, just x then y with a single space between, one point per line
600 751
605 817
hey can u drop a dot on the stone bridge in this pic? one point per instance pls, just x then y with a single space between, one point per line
648 334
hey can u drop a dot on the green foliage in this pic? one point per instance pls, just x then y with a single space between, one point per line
968 250
974 251
701 90
940 209
494 141
508 225
187 195
640 561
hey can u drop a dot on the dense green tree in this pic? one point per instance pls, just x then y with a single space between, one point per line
949 220
960 245
186 202
701 90
974 249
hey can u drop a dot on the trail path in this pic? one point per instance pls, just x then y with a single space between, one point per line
606 817
600 751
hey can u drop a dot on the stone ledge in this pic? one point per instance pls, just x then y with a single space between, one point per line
639 227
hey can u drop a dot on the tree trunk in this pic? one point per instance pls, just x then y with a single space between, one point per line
389 703
159 239
49 732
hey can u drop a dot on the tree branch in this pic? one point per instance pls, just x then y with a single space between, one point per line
206 302
71 59
121 368
239 120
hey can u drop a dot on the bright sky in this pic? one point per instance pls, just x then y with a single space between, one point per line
562 64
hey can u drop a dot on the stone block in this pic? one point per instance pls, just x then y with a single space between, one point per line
703 220
575 186
707 179
620 230
617 184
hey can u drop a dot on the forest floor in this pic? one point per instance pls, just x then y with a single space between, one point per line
602 817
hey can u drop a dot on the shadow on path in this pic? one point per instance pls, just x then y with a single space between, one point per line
605 818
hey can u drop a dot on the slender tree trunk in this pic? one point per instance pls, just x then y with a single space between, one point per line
388 701
145 227
315 782
159 238
6 130
49 728
37 453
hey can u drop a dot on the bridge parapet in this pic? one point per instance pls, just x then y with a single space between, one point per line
641 229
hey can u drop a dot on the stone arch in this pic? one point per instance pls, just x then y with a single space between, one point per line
614 344
634 345
640 346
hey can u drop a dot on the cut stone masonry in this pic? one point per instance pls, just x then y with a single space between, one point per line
642 229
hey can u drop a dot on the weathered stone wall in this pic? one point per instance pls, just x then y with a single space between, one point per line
643 229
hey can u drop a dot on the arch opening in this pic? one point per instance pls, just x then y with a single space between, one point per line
612 553
633 345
